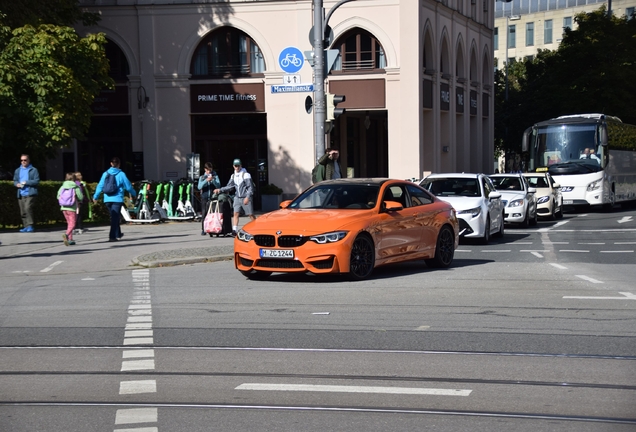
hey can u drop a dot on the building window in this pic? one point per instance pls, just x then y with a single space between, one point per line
227 52
119 69
547 32
530 34
359 50
567 23
495 40
512 43
630 13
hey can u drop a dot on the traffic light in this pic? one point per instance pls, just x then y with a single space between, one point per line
332 101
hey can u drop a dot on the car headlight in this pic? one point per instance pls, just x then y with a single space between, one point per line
594 185
516 203
244 236
543 199
474 212
331 237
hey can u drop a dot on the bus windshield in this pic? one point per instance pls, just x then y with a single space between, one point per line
568 144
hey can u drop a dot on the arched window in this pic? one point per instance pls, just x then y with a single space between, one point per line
119 69
359 50
227 52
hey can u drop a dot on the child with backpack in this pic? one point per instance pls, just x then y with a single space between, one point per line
83 204
68 196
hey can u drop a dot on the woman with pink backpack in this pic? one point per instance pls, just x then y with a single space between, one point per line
68 196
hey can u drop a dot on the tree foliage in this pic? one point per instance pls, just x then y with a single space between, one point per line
49 76
592 71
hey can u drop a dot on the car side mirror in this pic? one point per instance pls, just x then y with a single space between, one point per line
532 190
284 204
556 185
494 195
390 206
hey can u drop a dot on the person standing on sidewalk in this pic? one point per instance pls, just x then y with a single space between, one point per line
114 200
241 182
69 196
26 178
207 183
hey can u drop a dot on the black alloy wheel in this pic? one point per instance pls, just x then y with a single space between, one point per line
445 249
362 258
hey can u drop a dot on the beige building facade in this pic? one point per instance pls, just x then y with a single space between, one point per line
205 78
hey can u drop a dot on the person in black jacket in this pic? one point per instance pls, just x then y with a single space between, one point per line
207 183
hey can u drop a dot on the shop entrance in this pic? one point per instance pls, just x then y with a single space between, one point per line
221 138
362 138
108 137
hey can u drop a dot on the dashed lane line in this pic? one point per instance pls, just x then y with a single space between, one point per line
51 267
354 389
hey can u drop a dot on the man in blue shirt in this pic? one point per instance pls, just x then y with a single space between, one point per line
26 179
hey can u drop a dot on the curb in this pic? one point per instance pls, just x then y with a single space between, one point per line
180 261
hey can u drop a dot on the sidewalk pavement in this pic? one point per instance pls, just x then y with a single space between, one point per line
169 243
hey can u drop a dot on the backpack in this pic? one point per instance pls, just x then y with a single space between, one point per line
67 197
110 185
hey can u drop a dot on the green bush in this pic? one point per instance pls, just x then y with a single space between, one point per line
47 209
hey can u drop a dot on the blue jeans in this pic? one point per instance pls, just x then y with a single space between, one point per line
114 210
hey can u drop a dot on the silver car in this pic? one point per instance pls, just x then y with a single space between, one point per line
480 210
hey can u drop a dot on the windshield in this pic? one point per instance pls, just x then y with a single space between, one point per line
575 145
337 196
507 183
452 186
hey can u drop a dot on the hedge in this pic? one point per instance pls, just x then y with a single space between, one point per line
47 209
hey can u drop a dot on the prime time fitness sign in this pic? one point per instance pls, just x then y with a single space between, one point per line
217 98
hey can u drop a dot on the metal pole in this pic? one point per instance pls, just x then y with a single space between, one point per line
319 80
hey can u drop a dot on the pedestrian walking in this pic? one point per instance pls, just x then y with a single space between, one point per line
241 182
69 195
113 184
83 205
26 178
208 182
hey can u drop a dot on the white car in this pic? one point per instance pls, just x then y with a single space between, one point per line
519 198
549 198
480 210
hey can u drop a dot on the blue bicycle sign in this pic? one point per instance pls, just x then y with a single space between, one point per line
291 60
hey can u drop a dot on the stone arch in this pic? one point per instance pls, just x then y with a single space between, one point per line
357 22
460 67
445 58
133 62
428 55
473 71
192 42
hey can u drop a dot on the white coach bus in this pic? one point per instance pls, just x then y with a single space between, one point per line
592 157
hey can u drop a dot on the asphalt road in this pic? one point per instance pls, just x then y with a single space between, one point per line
533 332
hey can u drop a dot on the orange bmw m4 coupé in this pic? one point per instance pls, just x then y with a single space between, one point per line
349 226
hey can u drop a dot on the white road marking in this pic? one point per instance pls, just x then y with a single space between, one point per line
519 243
21 271
463 250
534 250
320 313
138 341
49 268
421 328
495 250
574 250
556 225
137 333
591 243
143 429
625 219
140 312
589 279
132 365
137 302
627 296
353 389
559 266
618 251
553 243
141 306
136 415
537 254
138 326
140 297
137 319
138 353
624 243
136 387
87 279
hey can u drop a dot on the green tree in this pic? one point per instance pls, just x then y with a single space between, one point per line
592 71
49 76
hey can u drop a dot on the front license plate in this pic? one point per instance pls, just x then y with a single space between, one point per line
566 202
277 253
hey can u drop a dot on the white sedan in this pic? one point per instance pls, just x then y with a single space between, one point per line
480 210
549 198
519 198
